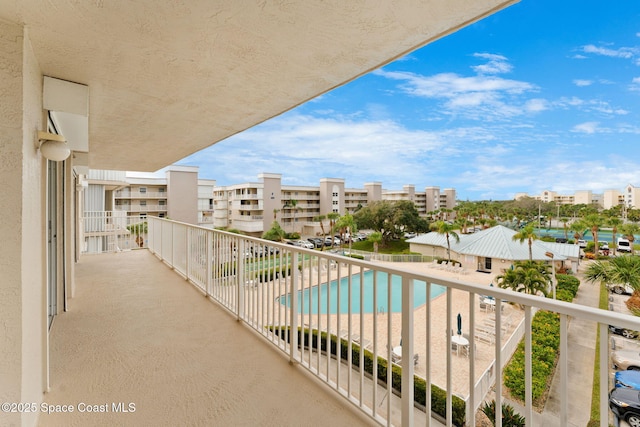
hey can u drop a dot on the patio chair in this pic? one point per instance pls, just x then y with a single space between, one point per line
484 306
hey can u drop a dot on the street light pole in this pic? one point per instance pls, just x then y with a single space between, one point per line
553 273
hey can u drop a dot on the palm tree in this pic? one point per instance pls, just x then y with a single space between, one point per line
593 222
333 217
618 270
523 279
565 221
346 224
527 233
629 230
293 204
578 230
375 237
614 223
442 227
320 219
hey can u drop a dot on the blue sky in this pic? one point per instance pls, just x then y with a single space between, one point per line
544 95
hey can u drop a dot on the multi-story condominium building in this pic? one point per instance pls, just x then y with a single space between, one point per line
629 198
178 195
128 198
252 207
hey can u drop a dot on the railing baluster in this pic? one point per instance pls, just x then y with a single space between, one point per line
498 363
449 409
528 370
407 351
604 374
564 398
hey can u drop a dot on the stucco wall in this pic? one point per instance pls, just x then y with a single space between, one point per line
182 196
10 212
21 253
34 317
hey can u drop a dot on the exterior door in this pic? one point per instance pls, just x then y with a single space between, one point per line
52 240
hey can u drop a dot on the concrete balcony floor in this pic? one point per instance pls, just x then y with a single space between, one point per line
137 333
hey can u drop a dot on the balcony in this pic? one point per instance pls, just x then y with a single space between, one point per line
155 333
137 333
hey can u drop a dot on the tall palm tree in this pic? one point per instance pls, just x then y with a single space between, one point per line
376 238
565 221
614 222
442 227
320 219
593 222
346 223
629 230
293 204
527 233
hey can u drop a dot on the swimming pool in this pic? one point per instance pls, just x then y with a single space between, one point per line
331 289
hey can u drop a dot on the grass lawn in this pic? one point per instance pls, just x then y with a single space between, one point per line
595 396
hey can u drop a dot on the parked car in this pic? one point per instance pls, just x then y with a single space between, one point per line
305 244
561 240
620 288
625 404
317 242
626 359
627 333
627 379
624 245
582 243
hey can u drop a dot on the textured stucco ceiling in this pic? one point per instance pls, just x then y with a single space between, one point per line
169 78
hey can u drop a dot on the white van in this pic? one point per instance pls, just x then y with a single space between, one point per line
624 245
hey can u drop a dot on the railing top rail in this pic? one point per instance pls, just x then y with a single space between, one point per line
562 307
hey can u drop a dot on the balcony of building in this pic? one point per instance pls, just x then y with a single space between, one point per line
145 346
253 281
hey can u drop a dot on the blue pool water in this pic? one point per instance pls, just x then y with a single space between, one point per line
331 305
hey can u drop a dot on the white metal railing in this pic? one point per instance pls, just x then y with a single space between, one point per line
276 288
111 231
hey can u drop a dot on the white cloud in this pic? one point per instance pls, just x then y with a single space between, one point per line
582 83
623 52
497 64
587 127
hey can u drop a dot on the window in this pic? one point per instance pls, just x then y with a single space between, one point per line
143 190
161 190
143 203
161 215
162 202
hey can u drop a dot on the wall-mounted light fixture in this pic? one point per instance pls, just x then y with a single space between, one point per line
53 147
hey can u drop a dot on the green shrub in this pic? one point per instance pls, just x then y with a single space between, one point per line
564 295
509 416
269 274
356 256
545 341
568 282
331 343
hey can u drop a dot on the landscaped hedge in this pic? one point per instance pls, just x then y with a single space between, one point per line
269 274
438 395
545 342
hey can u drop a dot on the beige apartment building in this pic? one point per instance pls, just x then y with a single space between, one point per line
125 199
629 197
179 195
252 207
